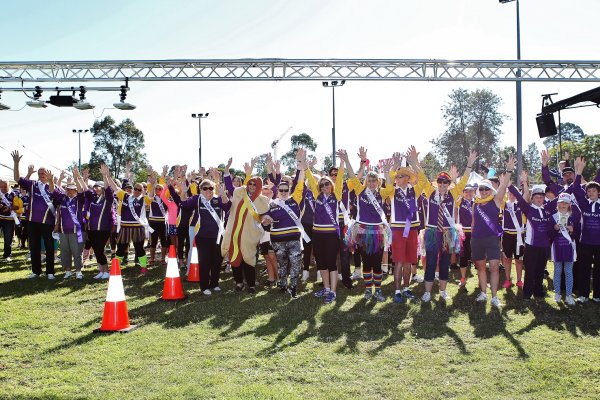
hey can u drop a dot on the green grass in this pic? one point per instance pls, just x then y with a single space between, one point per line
236 346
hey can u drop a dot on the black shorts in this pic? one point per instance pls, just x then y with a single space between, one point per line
509 246
326 247
486 248
266 247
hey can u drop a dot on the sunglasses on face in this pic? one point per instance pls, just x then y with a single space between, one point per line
322 185
284 190
137 189
205 188
443 182
334 174
484 189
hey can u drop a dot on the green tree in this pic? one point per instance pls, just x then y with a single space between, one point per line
301 141
532 163
589 148
569 132
473 122
431 166
116 145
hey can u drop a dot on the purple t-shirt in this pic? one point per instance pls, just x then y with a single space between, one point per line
39 210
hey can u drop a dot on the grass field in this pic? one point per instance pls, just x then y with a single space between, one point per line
238 346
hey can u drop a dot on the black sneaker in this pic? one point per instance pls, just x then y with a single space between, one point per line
292 292
251 290
239 288
269 284
282 289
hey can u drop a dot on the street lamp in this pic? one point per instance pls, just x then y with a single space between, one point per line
200 116
332 85
518 84
79 131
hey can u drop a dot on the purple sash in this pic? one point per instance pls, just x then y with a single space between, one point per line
493 227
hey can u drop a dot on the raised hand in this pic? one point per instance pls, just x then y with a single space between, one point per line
63 174
524 178
453 173
86 174
342 155
545 158
412 157
248 169
312 161
510 164
228 165
579 165
30 169
387 165
202 172
104 170
362 153
269 185
471 158
277 166
15 156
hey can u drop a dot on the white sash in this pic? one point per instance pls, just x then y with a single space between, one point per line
294 218
140 219
42 189
377 207
513 216
345 213
213 214
565 234
451 221
9 204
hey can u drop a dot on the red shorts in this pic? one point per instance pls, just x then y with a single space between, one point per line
404 250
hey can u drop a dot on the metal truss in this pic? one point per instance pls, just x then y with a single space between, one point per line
290 69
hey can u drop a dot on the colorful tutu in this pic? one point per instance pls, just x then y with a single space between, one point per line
448 241
370 238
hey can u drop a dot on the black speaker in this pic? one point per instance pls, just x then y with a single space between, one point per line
546 125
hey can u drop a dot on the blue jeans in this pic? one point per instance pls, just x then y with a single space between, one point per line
8 230
558 268
433 251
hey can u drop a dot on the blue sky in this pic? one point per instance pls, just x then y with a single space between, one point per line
246 117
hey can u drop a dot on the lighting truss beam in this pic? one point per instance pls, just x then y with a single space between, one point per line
290 69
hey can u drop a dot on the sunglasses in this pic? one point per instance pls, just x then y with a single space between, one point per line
158 189
443 182
322 185
284 190
484 189
205 188
137 189
334 174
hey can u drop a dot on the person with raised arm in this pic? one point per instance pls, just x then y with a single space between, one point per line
11 206
405 220
41 218
371 233
513 235
157 216
486 233
589 250
464 212
441 235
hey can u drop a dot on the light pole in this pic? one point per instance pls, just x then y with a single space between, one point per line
200 116
332 85
79 131
518 84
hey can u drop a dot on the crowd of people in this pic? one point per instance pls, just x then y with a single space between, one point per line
384 221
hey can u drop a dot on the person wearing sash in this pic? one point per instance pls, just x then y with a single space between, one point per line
132 225
405 221
70 222
589 254
101 222
243 232
166 197
286 229
307 214
563 249
157 218
513 247
441 237
10 206
41 217
210 205
486 233
538 237
464 212
265 246
371 233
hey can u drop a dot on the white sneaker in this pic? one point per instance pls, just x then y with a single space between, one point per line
207 292
596 299
319 279
99 276
340 277
79 275
481 297
582 299
570 301
68 274
437 276
51 277
418 278
426 297
32 276
385 268
444 295
496 302
356 275
557 298
105 275
216 289
305 276
8 259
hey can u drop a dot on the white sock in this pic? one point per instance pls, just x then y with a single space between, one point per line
398 291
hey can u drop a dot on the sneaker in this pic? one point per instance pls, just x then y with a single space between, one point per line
105 275
292 291
32 276
596 299
557 298
51 277
330 298
426 297
520 284
228 268
368 294
496 302
206 292
444 295
99 276
481 297
251 290
408 294
270 284
417 278
319 279
79 275
582 299
379 295
239 288
305 275
144 271
68 274
570 301
385 268
356 274
8 259
321 293
398 298
507 284
216 289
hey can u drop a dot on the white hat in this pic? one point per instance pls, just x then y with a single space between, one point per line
564 198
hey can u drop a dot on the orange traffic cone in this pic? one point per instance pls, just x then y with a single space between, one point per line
115 318
194 272
173 289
